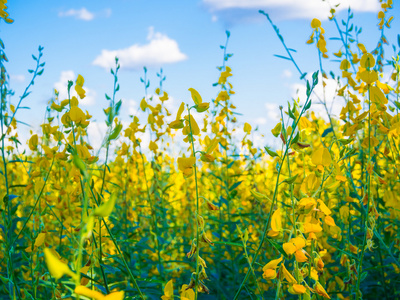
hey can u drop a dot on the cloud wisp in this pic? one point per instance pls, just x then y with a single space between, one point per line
84 14
159 50
239 11
80 14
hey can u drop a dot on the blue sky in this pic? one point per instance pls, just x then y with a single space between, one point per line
182 37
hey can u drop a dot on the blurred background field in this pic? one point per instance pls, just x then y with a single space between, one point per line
160 150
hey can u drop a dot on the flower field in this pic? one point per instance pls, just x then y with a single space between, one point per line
315 217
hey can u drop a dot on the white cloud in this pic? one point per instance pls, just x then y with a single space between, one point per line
273 112
130 106
62 87
287 74
107 12
17 77
158 51
96 133
80 14
260 121
284 9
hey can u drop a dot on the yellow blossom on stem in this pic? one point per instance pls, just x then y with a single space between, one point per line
84 291
56 267
185 164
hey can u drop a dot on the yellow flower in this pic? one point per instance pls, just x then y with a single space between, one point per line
297 289
315 23
168 291
247 128
322 157
320 290
207 157
202 107
78 87
177 124
273 264
289 277
56 267
187 294
296 245
153 146
276 221
269 274
33 142
84 291
195 96
185 164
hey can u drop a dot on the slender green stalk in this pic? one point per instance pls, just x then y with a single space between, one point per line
197 210
366 221
250 265
119 250
153 216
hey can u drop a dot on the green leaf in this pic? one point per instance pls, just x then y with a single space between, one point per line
308 105
270 152
345 141
290 180
114 134
296 138
246 236
277 246
283 57
327 131
259 196
235 185
229 244
291 115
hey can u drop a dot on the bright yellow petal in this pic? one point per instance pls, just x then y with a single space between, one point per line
169 289
247 128
320 290
84 291
299 289
56 267
326 157
299 242
289 248
40 239
269 274
76 114
308 227
273 264
287 275
300 256
324 208
330 221
367 61
315 23
115 296
194 126
180 111
195 96
276 220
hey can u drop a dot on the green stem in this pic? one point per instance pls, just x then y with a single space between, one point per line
366 221
197 210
